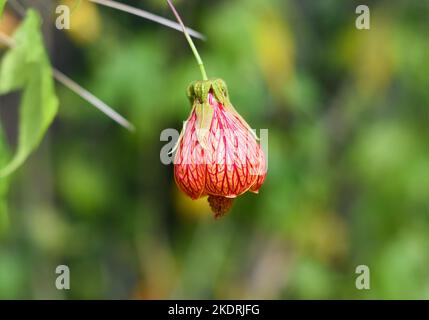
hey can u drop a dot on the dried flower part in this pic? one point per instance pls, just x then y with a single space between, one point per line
220 205
218 153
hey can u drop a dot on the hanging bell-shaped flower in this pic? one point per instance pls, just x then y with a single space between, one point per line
217 153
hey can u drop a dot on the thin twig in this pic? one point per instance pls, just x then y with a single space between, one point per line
149 16
80 91
89 97
17 6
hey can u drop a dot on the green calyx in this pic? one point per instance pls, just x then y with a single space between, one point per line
198 91
198 94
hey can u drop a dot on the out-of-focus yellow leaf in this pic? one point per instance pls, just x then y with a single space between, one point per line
369 54
275 50
191 209
85 21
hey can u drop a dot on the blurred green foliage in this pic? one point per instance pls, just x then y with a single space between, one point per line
348 175
2 4
26 67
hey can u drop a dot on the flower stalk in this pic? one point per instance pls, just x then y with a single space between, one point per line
189 39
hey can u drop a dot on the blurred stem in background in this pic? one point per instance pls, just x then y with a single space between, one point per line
148 16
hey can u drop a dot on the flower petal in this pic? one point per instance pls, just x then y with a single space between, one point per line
189 168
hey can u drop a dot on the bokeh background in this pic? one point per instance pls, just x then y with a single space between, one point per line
348 177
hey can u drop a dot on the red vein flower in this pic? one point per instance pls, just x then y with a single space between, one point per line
217 153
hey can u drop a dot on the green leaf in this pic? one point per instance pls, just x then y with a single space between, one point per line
2 3
26 66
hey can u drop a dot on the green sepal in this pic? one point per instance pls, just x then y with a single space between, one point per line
199 91
204 113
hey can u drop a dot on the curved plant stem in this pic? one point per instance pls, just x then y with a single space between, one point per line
189 39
